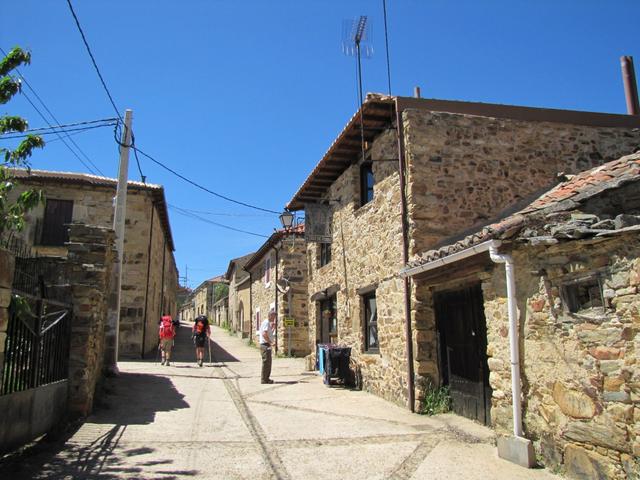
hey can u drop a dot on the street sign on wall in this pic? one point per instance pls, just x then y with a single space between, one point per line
317 223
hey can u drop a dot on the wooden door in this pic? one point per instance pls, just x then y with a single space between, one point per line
463 345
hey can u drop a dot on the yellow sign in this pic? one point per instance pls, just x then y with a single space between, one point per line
289 322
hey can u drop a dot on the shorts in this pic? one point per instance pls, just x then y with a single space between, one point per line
166 343
200 341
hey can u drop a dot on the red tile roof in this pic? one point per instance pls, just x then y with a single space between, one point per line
565 197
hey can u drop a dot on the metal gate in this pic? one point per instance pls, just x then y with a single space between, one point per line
38 330
462 336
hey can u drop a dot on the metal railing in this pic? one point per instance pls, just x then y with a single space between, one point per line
37 345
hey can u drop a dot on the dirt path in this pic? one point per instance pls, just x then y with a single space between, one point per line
218 421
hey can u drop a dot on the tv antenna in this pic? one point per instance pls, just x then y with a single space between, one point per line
356 42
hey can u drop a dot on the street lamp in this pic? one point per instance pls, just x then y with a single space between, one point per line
286 219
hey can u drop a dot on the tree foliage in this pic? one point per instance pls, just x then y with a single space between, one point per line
12 211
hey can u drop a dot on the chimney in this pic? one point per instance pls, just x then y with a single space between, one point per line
630 87
416 92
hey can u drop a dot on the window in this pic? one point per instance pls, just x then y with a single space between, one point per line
366 183
267 270
370 323
324 254
57 213
583 294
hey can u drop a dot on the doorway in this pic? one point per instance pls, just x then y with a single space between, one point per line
462 337
328 323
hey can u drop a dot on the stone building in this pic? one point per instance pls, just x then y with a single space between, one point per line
239 307
431 170
220 312
149 275
204 296
187 310
575 252
278 274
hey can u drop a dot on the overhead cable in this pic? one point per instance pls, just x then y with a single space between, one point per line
205 220
197 185
93 60
54 131
22 77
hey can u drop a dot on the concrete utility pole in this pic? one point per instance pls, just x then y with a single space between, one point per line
113 320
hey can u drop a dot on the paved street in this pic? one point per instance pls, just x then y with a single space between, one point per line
219 422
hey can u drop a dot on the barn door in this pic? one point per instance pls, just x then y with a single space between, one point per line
463 345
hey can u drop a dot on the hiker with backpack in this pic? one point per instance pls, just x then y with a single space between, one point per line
201 334
166 333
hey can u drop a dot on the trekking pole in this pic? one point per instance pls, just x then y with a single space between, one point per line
158 353
210 363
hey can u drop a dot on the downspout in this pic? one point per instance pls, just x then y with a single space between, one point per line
250 303
405 259
275 289
514 346
164 254
146 292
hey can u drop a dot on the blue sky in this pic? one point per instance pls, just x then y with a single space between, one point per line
246 96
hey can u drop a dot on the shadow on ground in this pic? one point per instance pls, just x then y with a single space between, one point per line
129 399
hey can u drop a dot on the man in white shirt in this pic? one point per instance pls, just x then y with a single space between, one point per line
265 337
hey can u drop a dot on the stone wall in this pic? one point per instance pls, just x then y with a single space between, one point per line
142 300
263 295
464 169
292 265
581 373
7 263
87 270
366 251
239 308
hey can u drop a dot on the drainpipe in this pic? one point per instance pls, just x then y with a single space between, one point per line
275 289
251 332
514 346
405 258
164 254
630 87
146 292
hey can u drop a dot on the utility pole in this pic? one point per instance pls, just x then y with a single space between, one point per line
113 320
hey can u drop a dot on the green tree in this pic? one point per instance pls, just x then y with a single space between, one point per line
12 211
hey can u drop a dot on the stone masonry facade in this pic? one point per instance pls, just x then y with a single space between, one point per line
292 266
285 258
461 171
150 276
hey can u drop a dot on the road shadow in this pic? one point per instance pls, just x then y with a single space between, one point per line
55 456
125 400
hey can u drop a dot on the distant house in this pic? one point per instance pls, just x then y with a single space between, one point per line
431 170
239 307
149 276
220 312
278 273
204 296
575 254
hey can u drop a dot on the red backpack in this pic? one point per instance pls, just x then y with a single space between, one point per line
166 327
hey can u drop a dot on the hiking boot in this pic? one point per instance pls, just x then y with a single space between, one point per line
199 363
167 364
162 363
267 381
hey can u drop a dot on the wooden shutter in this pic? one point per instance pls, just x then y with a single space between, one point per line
57 214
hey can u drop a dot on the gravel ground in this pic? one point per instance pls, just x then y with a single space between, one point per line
220 422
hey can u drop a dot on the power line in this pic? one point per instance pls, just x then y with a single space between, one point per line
197 185
55 120
93 60
54 131
206 212
61 127
104 84
205 220
63 140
